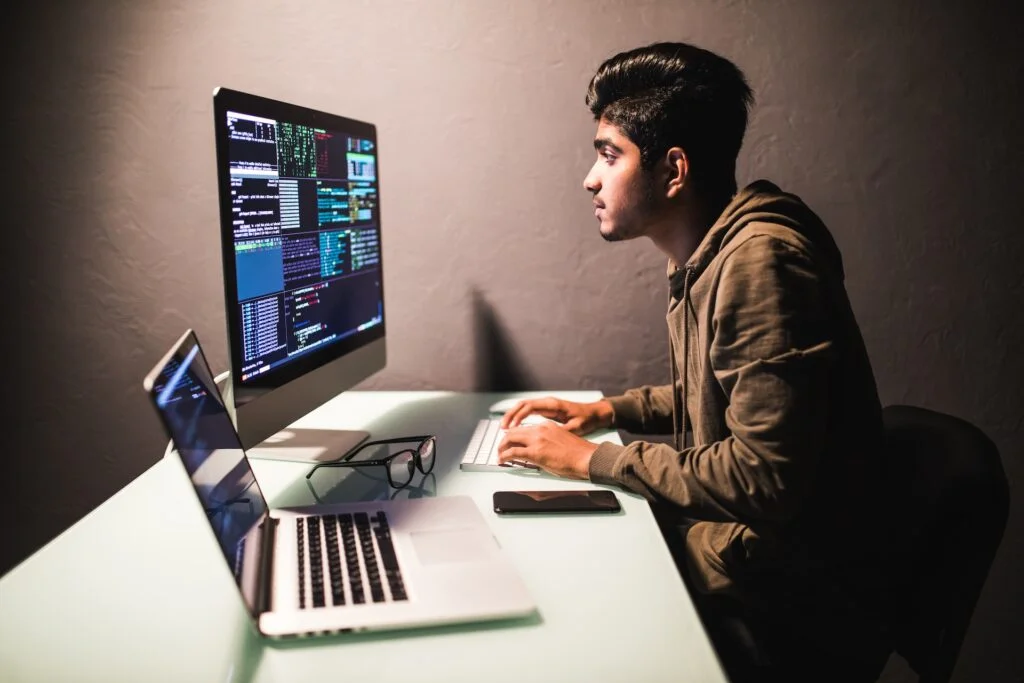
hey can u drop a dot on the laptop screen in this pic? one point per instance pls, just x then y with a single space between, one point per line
190 406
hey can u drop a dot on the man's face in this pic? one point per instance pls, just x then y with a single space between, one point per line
624 194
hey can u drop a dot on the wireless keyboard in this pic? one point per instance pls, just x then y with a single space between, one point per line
482 452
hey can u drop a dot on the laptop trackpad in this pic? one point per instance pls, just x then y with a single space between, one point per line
443 546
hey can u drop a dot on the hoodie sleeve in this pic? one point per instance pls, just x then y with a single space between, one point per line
645 410
770 349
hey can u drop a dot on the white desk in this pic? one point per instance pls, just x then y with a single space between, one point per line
137 590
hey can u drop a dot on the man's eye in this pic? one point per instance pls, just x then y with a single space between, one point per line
608 156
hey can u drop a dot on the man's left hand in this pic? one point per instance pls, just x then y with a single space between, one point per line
551 447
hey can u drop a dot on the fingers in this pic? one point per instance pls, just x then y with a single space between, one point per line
520 463
516 414
515 456
516 444
547 407
515 437
513 453
575 425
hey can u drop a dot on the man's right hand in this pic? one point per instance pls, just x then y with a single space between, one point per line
579 418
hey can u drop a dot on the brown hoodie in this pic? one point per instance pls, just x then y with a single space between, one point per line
780 398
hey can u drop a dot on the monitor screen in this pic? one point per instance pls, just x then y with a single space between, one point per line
305 236
301 237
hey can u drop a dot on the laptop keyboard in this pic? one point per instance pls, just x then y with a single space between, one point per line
361 564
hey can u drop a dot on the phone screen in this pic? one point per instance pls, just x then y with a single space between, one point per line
510 502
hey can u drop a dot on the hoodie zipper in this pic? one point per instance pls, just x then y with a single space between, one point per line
680 415
687 272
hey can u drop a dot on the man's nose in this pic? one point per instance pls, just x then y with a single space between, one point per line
591 183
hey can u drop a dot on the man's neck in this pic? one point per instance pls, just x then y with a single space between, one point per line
681 230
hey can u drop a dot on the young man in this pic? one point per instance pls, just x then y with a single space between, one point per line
777 421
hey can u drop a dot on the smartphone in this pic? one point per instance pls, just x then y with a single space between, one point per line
516 502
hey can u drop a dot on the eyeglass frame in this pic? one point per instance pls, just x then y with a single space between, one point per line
346 460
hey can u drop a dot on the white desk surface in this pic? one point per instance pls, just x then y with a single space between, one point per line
138 590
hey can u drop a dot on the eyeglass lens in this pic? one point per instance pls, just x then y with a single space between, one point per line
400 468
426 453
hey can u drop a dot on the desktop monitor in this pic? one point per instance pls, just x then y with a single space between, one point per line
303 275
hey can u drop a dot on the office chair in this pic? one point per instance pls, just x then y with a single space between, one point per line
949 486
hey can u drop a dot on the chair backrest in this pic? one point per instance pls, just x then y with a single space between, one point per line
952 495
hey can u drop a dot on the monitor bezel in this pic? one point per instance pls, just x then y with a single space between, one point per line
226 100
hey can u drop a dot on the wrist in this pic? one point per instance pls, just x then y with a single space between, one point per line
604 413
583 463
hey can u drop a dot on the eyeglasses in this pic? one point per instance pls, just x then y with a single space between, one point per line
399 466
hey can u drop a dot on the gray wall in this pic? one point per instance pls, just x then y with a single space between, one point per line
897 121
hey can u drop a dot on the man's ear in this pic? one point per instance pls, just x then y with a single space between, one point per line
677 171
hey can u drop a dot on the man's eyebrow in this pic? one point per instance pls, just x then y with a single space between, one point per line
600 143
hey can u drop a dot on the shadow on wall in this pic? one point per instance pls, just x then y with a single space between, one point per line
498 365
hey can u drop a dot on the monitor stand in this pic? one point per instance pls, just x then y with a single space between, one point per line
296 444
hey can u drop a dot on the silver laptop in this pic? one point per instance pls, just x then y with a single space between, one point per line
329 568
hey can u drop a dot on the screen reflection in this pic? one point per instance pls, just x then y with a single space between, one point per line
208 445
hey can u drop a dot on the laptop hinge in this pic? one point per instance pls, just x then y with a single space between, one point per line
266 572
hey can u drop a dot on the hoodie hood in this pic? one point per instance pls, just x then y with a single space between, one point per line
763 202
759 202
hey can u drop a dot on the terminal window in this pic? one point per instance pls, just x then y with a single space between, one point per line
306 238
